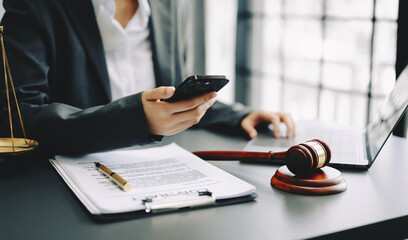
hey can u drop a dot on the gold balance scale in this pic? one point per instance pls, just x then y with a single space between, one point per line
12 146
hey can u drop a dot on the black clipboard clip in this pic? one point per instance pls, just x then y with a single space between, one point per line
178 201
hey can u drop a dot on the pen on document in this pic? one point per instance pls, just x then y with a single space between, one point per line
115 177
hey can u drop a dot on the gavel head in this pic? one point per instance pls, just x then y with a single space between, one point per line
304 158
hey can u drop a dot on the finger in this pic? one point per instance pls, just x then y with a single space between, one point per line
158 93
274 119
196 113
191 103
293 125
290 124
181 126
248 124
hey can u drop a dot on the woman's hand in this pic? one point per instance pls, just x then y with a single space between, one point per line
254 118
168 118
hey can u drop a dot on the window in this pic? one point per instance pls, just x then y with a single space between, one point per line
327 59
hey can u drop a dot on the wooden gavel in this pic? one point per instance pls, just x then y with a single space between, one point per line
300 159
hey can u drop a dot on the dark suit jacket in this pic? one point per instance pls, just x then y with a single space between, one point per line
59 70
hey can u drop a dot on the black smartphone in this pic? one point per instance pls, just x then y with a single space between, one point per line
196 85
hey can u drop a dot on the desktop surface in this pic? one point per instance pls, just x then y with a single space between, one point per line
36 203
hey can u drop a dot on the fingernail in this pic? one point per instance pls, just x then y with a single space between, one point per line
169 90
253 134
213 94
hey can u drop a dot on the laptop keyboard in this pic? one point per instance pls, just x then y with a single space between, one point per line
347 146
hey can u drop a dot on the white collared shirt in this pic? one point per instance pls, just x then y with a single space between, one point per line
128 50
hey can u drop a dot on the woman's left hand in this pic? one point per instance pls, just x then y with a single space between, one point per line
254 118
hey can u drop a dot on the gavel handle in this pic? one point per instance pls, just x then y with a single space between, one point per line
239 155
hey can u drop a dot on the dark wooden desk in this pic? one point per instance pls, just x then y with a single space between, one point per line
35 203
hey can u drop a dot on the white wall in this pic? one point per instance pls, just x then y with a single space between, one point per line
1 9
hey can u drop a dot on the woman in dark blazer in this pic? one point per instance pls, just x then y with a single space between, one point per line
59 70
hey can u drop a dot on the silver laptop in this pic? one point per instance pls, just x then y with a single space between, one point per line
350 147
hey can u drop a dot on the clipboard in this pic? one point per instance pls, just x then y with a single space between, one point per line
166 178
187 206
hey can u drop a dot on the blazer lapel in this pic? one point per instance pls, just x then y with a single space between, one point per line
82 16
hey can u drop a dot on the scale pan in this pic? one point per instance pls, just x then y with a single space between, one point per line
21 146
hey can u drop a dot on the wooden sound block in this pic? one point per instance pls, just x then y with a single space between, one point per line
323 181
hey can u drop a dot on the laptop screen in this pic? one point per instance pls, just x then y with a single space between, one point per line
392 110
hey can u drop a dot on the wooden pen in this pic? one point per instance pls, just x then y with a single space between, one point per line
127 187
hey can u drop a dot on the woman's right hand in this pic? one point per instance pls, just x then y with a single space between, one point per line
168 118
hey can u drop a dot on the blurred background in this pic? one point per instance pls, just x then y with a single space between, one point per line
327 59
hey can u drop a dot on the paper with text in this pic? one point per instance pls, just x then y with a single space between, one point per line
153 172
